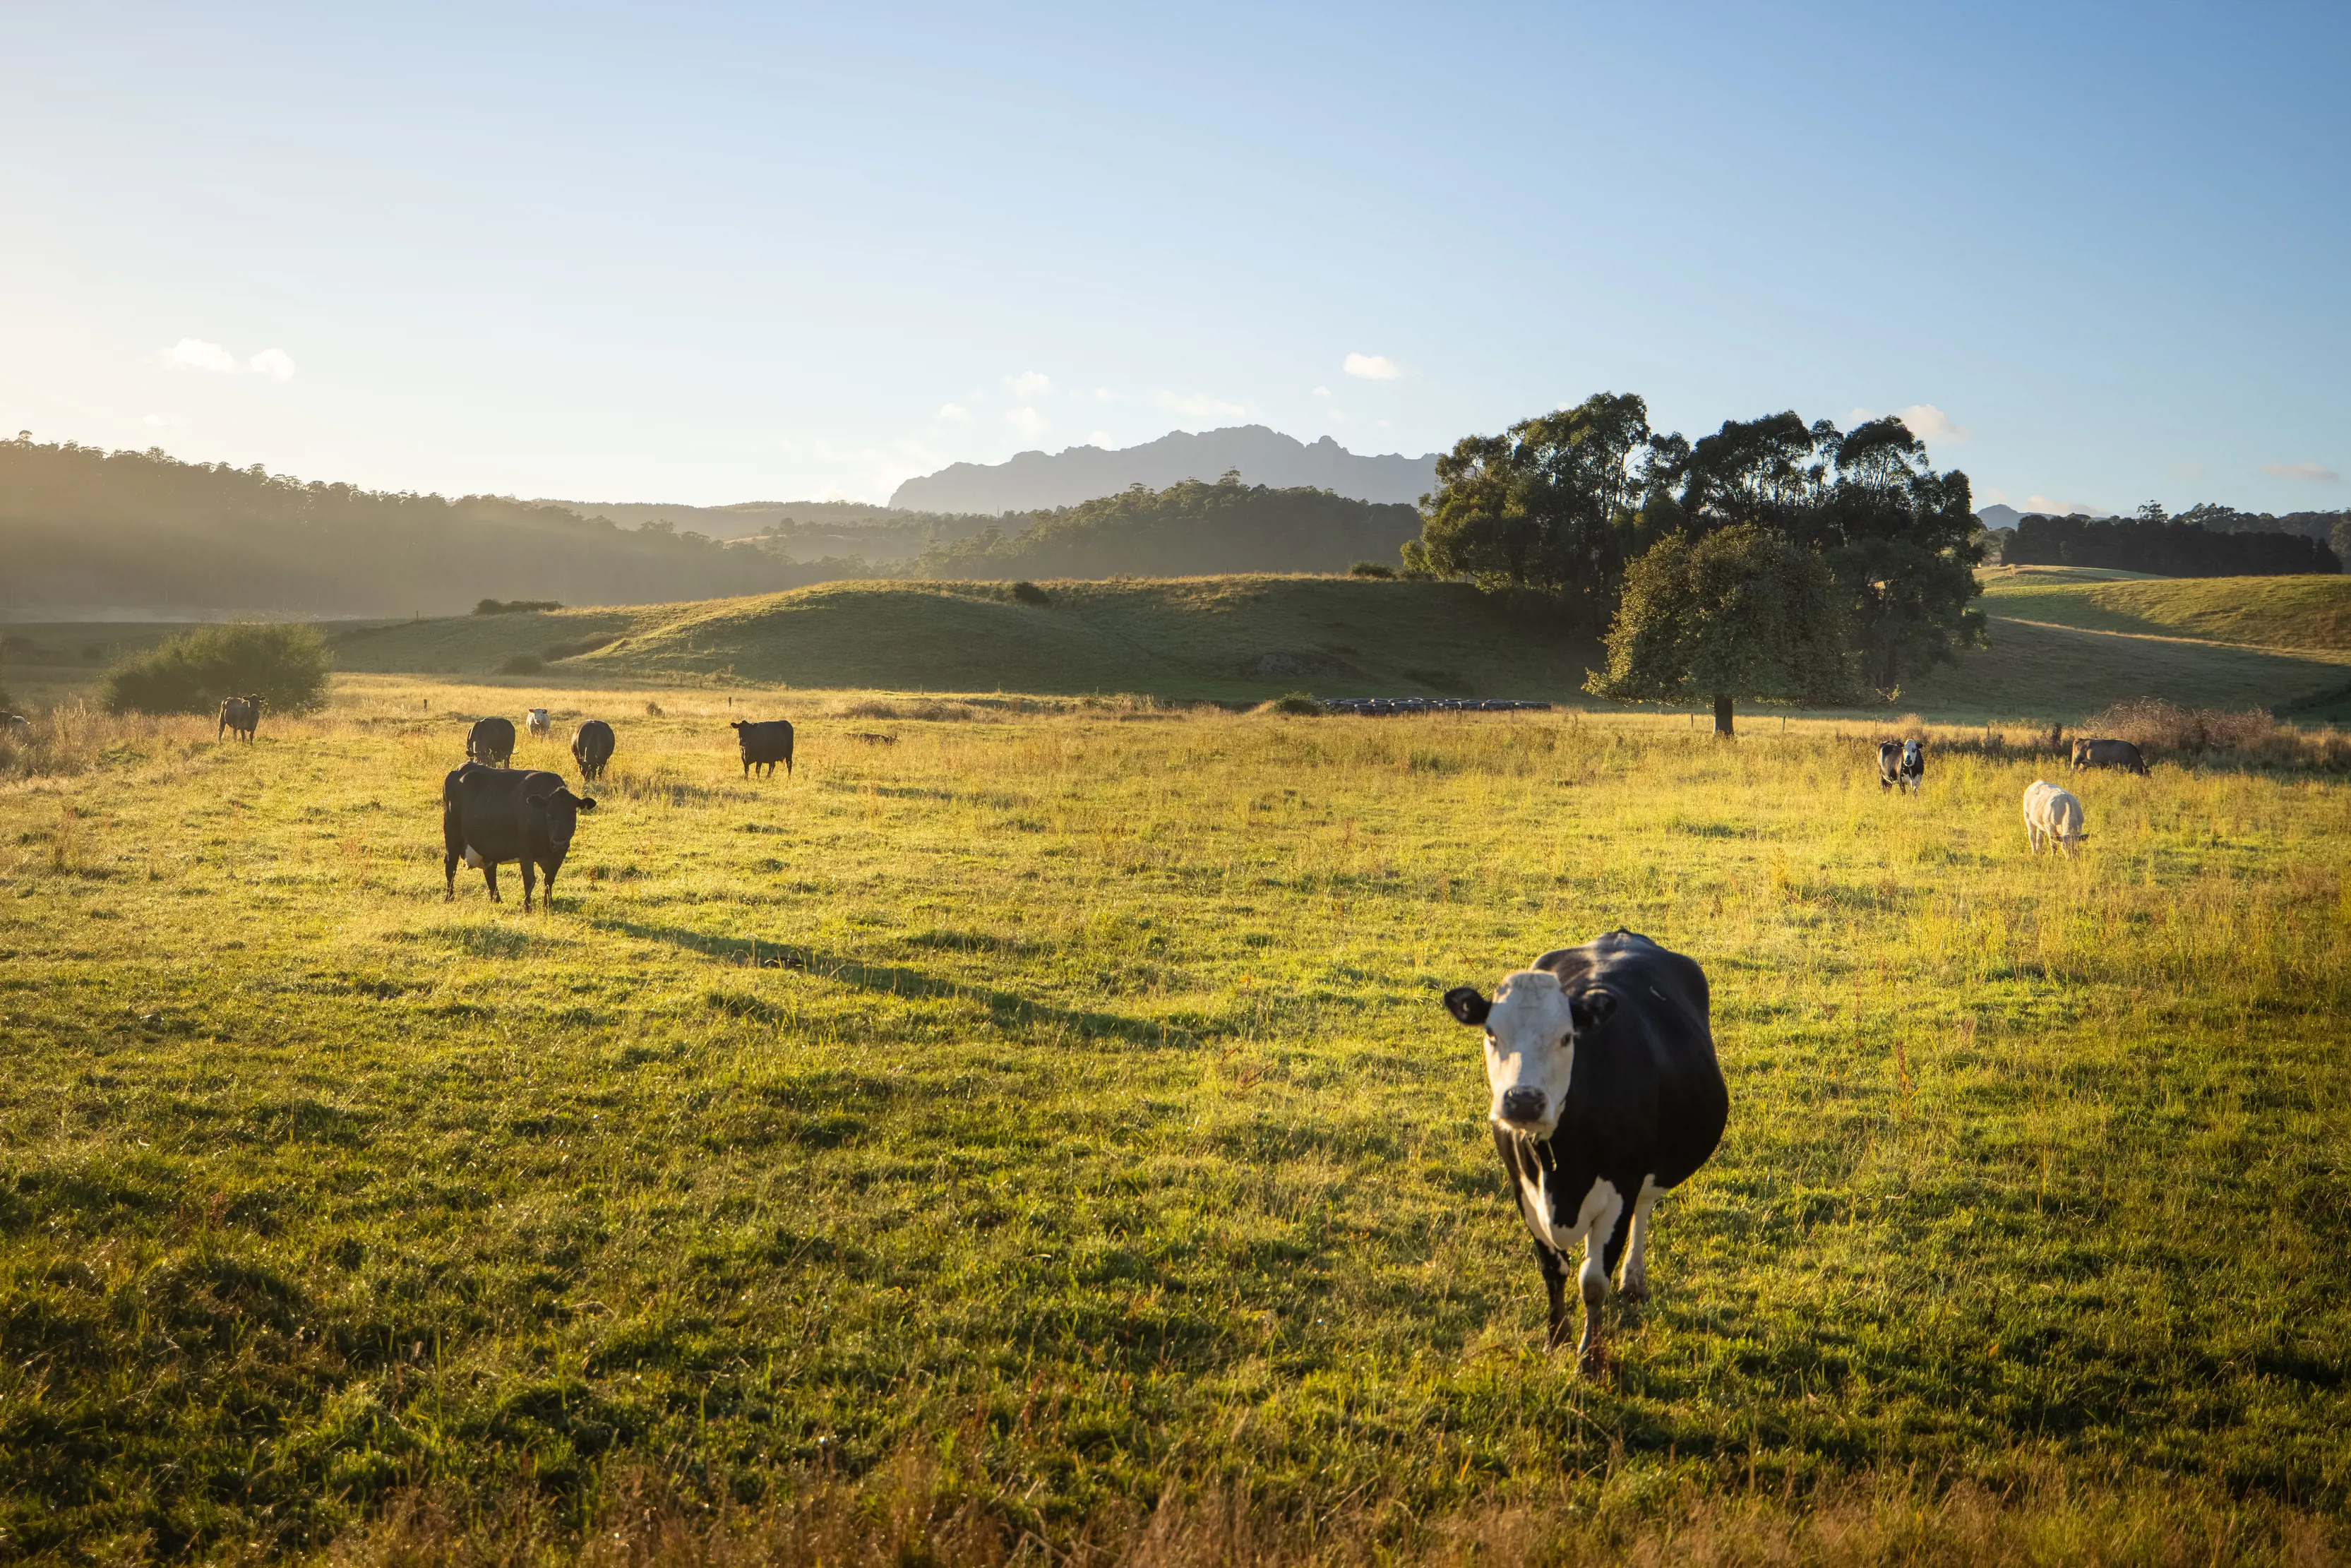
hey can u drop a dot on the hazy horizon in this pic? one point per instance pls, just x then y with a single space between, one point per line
2092 254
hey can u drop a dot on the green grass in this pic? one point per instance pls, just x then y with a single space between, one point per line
1055 1109
2313 612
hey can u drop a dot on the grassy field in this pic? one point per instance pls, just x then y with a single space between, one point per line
1031 1132
2261 612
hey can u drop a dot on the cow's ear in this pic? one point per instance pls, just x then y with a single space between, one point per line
1591 1009
1465 1005
587 802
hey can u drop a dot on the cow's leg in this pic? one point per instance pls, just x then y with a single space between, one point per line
547 896
530 880
490 875
449 872
1554 1273
1600 1243
1633 1278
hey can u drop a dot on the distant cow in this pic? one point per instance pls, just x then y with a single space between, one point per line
591 747
490 816
1901 762
239 714
2108 753
491 741
2052 814
764 744
1605 1094
535 722
21 728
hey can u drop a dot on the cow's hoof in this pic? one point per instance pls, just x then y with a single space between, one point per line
1592 1363
1633 1294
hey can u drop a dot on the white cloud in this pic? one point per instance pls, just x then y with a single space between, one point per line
160 421
2318 472
1027 421
1200 406
1103 395
956 412
1030 384
1372 367
1321 392
196 355
2057 508
1926 422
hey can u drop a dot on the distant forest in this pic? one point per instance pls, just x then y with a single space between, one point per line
1190 529
90 531
2168 546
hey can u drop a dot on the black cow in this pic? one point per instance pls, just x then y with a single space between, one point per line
764 744
492 815
2108 753
1901 762
242 715
491 740
1606 1094
591 747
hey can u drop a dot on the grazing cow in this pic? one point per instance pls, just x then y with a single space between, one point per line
535 722
491 741
2108 753
1606 1094
21 728
2052 814
1901 762
239 714
764 744
492 815
591 747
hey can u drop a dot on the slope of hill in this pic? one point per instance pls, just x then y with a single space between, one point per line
2311 612
1039 480
1220 637
1188 529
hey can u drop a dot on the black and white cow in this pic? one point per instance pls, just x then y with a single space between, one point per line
1901 762
1606 1094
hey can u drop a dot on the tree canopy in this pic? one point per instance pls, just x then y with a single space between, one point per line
1742 614
2165 546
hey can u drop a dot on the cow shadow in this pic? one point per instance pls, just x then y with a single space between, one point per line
1006 1008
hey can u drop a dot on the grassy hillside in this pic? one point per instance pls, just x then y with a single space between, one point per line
2032 670
1222 637
1010 1128
2266 611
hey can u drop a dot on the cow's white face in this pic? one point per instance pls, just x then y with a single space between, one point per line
1531 1027
1914 757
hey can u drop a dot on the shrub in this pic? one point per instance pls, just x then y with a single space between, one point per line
515 606
1029 593
653 710
286 666
2153 724
1305 704
522 664
1370 569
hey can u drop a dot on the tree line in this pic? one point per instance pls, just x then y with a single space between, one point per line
2185 546
1772 559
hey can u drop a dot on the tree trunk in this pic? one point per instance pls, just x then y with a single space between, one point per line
1721 717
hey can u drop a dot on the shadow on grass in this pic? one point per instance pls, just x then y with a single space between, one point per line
1005 1007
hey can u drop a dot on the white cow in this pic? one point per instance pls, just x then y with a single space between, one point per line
535 722
2053 814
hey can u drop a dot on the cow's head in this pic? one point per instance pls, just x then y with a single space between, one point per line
1914 756
1530 1028
557 810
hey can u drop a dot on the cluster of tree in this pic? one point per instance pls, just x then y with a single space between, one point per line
1190 529
1620 521
95 530
2223 519
845 528
284 664
2185 546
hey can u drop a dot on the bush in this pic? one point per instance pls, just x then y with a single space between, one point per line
522 664
515 606
1370 569
1029 593
286 666
1304 703
2152 724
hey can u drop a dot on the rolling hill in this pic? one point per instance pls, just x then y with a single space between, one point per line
1039 481
2260 611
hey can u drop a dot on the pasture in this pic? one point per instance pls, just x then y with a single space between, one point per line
1030 1130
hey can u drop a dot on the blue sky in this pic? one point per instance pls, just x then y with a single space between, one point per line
716 253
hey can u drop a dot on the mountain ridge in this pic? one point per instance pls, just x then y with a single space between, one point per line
1039 481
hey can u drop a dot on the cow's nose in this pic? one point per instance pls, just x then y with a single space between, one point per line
1522 1105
